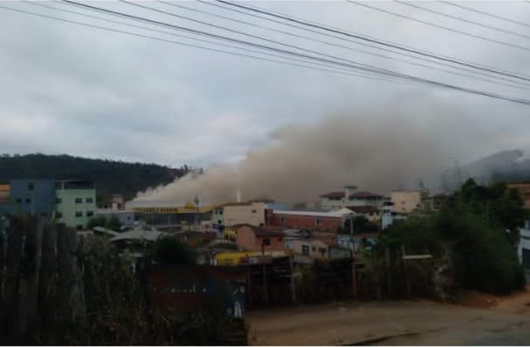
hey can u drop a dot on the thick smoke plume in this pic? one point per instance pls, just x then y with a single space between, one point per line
375 153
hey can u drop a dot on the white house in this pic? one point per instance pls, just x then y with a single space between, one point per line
524 246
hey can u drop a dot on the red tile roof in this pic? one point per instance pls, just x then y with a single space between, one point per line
333 194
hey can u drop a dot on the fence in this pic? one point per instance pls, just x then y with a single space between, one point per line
40 283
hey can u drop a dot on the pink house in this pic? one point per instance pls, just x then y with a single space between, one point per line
257 239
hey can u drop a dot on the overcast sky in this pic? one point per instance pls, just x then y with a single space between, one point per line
83 91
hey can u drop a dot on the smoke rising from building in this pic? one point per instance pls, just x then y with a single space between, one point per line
379 151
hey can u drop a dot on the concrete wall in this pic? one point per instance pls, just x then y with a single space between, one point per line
406 201
252 213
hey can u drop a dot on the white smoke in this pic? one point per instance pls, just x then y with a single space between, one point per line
379 152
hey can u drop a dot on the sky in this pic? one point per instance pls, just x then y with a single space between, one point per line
86 92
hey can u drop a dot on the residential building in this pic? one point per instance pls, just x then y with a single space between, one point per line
117 202
349 197
218 216
252 213
373 214
338 252
75 202
312 248
389 216
307 220
32 196
258 239
406 201
524 192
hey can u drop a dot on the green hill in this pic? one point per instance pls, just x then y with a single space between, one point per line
110 176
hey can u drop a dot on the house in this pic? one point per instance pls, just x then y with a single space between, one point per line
338 252
259 239
524 192
372 213
4 193
406 201
307 220
76 202
349 197
252 213
312 248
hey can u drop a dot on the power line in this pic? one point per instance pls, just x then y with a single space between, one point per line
463 19
356 66
380 42
483 38
349 48
441 62
188 45
172 33
485 13
412 78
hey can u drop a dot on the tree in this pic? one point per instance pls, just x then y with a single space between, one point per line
113 223
360 224
171 250
96 222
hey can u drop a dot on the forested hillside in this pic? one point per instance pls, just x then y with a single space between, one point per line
110 176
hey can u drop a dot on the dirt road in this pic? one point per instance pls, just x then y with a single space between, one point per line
395 323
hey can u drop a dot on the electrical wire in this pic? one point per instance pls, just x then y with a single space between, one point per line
483 38
377 41
350 48
462 19
485 13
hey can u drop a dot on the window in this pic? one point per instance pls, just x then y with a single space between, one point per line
31 186
253 211
221 212
313 248
78 200
128 217
28 200
305 250
282 220
79 227
18 200
266 242
89 213
59 214
318 222
43 214
58 200
79 214
89 200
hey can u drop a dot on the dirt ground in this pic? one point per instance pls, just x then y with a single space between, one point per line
477 320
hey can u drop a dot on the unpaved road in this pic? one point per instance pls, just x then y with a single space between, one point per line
395 323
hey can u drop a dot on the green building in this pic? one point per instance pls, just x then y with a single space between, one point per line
75 202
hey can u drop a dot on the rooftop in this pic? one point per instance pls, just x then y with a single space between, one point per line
259 231
362 209
333 195
308 213
365 195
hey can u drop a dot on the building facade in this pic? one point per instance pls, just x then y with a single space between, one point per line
76 202
524 246
32 196
406 201
252 213
307 220
257 239
312 248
